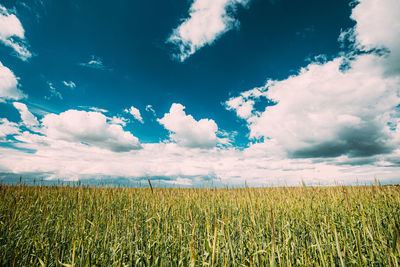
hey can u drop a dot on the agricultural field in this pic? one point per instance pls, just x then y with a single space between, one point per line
285 226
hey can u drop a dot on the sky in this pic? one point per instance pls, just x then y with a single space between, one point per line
189 93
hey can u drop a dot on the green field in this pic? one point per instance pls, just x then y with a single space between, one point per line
82 226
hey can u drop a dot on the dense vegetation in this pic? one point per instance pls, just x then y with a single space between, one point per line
85 226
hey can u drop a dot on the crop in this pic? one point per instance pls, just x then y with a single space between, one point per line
285 226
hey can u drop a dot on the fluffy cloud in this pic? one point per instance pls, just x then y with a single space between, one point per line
12 33
7 128
342 107
243 107
208 19
135 113
9 85
119 120
378 27
88 127
174 164
73 127
60 150
28 119
324 112
337 120
188 132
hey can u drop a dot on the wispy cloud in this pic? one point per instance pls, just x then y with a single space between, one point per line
149 108
69 84
306 31
94 63
208 19
35 7
53 92
101 110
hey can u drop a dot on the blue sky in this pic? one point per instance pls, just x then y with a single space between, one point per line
196 91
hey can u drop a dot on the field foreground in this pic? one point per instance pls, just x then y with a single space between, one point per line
66 226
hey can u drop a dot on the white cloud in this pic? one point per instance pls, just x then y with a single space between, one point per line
378 26
12 33
208 19
188 132
69 84
348 117
98 109
7 128
338 107
61 150
243 107
94 63
28 119
135 113
180 181
149 108
9 85
177 164
53 92
325 112
88 127
119 120
73 126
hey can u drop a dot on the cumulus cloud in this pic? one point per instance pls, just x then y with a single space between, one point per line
28 119
78 145
9 85
135 113
378 27
188 132
325 112
119 120
12 34
336 120
86 128
89 127
208 19
256 165
243 107
7 128
341 107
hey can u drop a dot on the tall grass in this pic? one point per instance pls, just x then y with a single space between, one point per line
81 226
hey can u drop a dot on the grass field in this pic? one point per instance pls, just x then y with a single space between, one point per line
81 226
